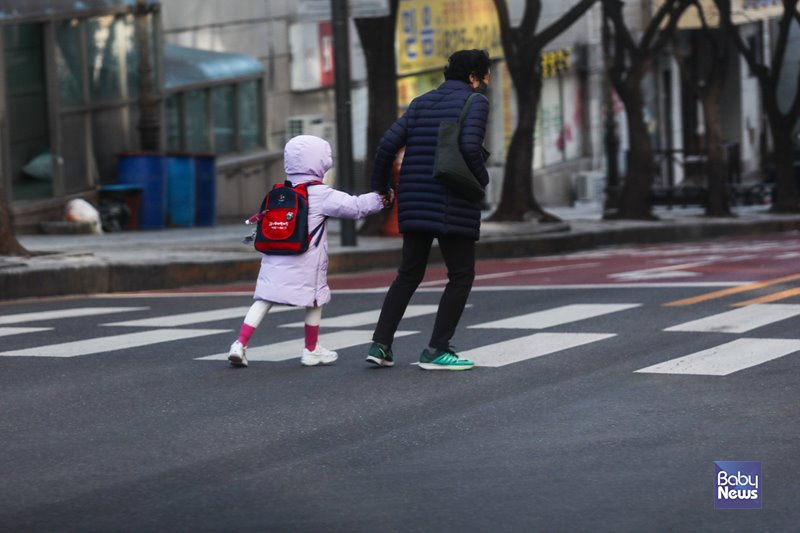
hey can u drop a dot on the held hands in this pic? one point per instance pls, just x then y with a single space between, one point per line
387 198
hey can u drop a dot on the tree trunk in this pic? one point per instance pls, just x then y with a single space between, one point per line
637 190
785 200
382 99
718 204
517 200
8 242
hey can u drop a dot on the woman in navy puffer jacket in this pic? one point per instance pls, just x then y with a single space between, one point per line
428 210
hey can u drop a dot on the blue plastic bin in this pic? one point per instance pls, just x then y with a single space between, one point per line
180 189
205 170
148 171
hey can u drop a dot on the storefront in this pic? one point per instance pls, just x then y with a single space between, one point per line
68 96
428 32
72 83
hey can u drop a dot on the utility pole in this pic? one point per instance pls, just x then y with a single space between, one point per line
611 206
344 128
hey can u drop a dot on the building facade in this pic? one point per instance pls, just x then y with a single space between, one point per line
237 79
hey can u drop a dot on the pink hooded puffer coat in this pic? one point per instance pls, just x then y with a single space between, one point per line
302 280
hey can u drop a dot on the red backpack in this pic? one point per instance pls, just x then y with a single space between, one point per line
283 225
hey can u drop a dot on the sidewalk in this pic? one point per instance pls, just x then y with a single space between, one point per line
185 257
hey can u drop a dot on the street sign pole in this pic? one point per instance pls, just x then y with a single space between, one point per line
344 137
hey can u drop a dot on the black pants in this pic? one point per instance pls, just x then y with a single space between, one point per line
459 257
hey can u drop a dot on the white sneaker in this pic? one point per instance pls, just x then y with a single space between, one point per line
320 356
236 355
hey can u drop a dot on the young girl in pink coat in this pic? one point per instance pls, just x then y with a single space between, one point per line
301 280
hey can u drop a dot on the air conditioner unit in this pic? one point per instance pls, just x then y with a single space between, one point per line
588 186
310 125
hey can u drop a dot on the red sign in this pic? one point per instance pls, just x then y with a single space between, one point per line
326 70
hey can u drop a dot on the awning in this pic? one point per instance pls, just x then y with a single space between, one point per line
186 67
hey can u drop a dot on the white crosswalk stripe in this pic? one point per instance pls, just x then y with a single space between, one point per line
111 343
199 317
727 358
555 317
354 329
65 313
367 318
740 320
6 332
282 351
529 347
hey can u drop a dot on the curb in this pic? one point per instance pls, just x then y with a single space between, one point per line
78 274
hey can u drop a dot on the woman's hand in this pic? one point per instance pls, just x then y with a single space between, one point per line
387 198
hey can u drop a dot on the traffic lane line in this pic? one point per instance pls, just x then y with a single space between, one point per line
732 290
774 297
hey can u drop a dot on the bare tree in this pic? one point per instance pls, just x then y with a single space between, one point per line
704 69
8 242
781 123
377 40
522 47
631 61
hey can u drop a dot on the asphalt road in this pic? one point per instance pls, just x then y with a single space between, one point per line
608 385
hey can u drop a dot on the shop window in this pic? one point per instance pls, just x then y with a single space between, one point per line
74 131
173 116
27 113
559 121
235 123
551 122
113 58
250 115
224 119
196 121
69 63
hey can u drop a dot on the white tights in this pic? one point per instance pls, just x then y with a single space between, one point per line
260 308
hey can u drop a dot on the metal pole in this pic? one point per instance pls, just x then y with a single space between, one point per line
610 136
344 130
149 114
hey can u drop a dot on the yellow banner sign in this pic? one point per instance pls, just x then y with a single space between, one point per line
428 31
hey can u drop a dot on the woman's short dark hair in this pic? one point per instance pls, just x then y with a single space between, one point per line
465 62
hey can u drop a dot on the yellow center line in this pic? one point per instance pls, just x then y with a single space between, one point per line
782 295
732 290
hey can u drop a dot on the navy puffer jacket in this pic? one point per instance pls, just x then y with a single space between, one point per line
423 203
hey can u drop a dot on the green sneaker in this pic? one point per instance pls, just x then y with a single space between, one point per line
443 360
380 354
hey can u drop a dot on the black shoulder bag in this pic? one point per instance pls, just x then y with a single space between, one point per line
449 167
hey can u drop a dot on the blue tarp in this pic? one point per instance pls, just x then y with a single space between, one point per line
184 67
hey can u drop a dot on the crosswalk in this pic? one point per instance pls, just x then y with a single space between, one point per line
523 336
727 358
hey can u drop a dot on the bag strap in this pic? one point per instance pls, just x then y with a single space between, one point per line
316 231
321 226
466 108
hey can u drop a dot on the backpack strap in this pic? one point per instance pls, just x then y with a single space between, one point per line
318 231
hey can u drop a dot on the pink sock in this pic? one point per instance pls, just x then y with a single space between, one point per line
312 334
245 333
